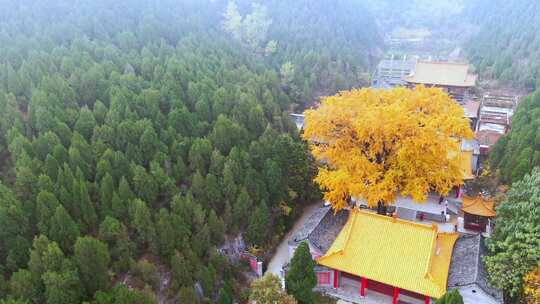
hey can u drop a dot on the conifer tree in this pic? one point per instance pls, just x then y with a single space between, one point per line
207 275
227 216
217 228
115 234
63 229
51 167
300 279
92 259
240 209
165 233
450 297
143 224
198 186
257 230
85 123
118 207
46 204
230 188
144 184
45 183
86 207
62 287
187 294
125 194
225 296
23 287
106 191
200 242
181 271
3 285
213 197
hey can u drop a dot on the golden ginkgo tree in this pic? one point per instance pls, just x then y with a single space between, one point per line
531 288
373 144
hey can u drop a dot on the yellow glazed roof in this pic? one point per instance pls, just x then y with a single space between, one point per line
442 73
396 252
478 206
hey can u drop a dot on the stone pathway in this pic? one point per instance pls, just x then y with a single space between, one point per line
281 256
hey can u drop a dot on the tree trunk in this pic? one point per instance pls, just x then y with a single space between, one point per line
381 208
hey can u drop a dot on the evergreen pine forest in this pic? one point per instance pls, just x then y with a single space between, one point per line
137 137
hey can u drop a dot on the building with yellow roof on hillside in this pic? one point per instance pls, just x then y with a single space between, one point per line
393 255
455 78
364 257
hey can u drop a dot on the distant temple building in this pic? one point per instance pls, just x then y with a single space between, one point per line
472 110
494 120
390 72
453 77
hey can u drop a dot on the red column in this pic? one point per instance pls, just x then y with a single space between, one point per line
458 191
363 287
427 300
396 295
336 279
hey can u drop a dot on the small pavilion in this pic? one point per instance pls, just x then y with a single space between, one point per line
477 211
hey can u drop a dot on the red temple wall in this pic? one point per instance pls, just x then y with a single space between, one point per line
380 287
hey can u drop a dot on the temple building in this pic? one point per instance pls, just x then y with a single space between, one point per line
390 256
363 255
477 213
453 77
494 120
390 72
472 111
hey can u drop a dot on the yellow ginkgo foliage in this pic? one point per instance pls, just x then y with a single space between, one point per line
531 288
373 144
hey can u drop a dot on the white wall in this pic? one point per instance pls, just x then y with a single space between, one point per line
473 294
314 251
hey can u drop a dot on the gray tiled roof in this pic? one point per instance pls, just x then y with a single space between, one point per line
322 228
467 267
406 213
328 229
309 225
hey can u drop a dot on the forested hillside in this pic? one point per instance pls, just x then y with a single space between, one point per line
317 53
142 128
507 48
507 45
517 153
413 14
